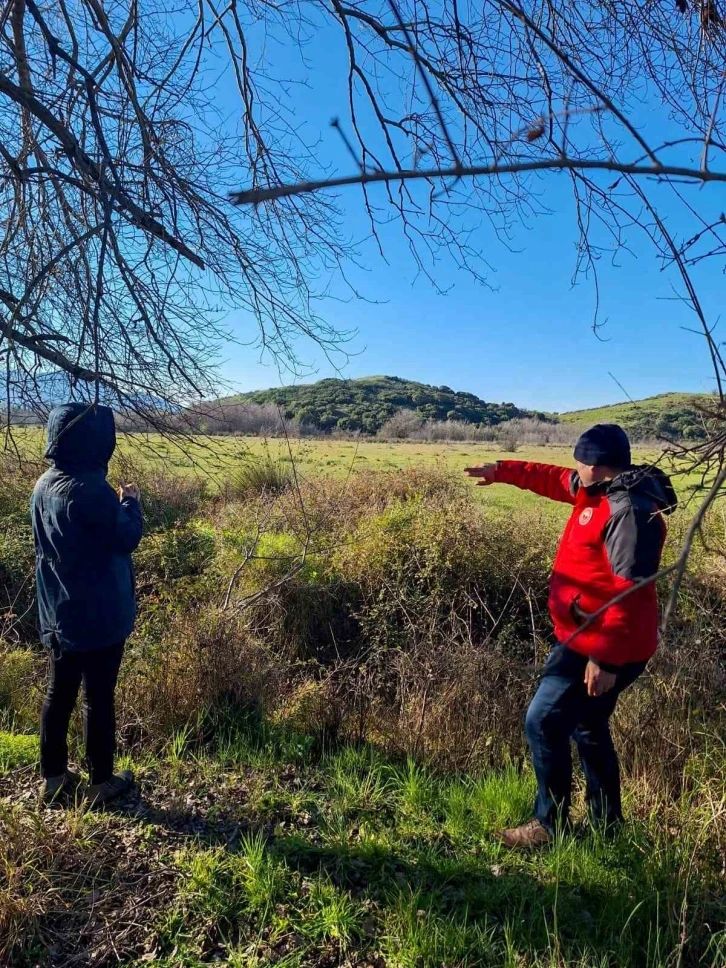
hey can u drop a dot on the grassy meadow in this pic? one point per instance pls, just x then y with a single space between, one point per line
323 704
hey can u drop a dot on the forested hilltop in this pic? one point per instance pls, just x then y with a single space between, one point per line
367 403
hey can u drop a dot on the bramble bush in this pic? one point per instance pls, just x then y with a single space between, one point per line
390 607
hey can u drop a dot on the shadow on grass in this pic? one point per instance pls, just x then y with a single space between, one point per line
433 900
516 906
435 906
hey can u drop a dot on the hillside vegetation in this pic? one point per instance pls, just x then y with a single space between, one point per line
671 415
367 403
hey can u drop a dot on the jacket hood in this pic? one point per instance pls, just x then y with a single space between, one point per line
649 481
81 436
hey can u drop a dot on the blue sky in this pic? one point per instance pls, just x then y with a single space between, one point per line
528 339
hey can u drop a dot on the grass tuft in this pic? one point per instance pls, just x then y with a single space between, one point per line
17 750
260 477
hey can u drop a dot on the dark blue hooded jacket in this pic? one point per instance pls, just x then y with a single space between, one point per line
84 535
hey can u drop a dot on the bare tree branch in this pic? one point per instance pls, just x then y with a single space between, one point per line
254 196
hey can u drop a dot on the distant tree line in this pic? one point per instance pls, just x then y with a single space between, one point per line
246 419
508 435
394 409
306 412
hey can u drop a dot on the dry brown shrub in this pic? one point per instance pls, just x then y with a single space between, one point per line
373 490
206 657
310 708
455 706
322 504
22 674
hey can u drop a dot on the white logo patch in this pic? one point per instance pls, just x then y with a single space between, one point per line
586 516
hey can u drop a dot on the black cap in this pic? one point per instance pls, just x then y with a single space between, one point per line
604 445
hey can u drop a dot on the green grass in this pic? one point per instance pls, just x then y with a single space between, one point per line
17 750
244 463
365 858
256 844
351 858
341 458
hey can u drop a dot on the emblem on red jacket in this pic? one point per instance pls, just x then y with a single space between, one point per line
586 516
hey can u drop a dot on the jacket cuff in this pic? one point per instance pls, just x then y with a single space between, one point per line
606 666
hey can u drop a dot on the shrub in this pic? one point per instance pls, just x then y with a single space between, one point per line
419 621
21 671
508 442
408 424
176 552
203 657
402 425
17 574
261 477
536 433
17 750
16 483
247 419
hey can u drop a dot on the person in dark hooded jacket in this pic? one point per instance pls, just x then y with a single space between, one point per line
605 615
84 535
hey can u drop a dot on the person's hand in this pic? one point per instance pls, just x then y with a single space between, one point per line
485 472
129 490
597 680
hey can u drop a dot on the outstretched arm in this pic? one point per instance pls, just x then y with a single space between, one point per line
547 480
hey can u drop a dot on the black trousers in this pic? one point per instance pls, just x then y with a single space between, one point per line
98 670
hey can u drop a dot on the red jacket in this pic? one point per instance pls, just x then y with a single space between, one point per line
613 539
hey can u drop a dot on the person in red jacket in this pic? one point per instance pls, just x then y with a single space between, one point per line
611 545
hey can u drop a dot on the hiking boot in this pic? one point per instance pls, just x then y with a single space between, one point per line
101 793
60 789
531 834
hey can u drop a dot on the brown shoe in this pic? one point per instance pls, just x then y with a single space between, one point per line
60 789
531 834
117 786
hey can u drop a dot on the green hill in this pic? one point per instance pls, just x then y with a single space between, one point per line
674 415
367 403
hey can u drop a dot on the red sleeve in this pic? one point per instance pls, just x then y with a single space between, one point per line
556 483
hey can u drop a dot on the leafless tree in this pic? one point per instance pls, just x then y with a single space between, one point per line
626 100
119 252
493 96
